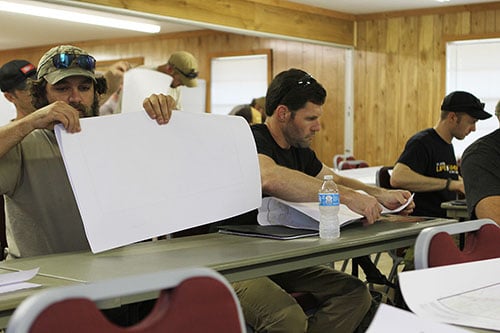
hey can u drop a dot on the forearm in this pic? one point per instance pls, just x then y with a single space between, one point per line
277 183
13 133
404 177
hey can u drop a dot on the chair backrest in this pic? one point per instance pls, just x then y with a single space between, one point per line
383 177
339 158
192 300
352 164
435 246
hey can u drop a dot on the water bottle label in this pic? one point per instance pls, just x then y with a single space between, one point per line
329 199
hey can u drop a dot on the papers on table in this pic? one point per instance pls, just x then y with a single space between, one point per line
464 294
17 281
139 83
389 319
134 179
305 215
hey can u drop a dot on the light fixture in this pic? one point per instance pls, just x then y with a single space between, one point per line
41 9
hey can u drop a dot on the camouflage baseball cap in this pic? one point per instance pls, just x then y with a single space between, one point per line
64 61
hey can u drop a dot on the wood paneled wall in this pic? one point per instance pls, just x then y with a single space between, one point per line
400 73
399 70
326 63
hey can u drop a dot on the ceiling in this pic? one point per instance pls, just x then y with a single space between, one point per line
20 31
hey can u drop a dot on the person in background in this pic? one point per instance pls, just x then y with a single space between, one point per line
182 66
481 172
259 104
428 165
41 212
290 170
14 78
251 115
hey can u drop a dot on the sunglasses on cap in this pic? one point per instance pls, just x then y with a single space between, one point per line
64 60
191 75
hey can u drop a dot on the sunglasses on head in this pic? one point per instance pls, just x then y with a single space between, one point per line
191 75
306 80
64 60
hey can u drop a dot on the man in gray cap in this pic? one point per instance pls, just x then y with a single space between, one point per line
41 212
14 77
428 164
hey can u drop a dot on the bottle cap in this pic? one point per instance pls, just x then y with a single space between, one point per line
328 177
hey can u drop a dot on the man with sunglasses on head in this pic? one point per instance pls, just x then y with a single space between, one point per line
290 170
41 212
14 78
182 66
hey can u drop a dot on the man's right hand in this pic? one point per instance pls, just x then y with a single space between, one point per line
57 112
365 205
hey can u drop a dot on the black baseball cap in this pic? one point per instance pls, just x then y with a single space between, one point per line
462 101
14 73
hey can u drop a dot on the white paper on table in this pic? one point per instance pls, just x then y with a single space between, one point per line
139 83
17 280
465 294
134 179
303 215
389 319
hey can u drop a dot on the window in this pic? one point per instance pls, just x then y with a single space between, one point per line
473 66
237 79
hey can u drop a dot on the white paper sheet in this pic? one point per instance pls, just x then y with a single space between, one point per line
464 294
17 280
139 83
134 179
389 319
305 215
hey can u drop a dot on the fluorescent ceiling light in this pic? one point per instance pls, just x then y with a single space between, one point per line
77 15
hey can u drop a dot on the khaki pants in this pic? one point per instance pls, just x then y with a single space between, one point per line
268 307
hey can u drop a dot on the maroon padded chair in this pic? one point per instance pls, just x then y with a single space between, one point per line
436 247
193 300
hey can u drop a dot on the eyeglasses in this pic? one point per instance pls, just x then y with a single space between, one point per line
64 60
191 75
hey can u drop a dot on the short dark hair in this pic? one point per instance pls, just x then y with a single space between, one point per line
39 94
293 88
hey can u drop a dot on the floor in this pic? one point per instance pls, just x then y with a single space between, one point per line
384 265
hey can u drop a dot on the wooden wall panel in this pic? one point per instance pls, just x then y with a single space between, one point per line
405 73
325 63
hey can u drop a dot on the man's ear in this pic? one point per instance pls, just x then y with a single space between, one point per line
282 113
9 96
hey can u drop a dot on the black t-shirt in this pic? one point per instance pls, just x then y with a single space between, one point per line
428 154
301 159
481 170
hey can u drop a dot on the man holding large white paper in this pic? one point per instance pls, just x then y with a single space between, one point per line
41 213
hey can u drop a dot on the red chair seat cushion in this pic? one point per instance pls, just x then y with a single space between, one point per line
479 245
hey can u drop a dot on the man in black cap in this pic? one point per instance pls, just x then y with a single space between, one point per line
14 77
428 165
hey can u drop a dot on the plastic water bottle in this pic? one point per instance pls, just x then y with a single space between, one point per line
329 202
